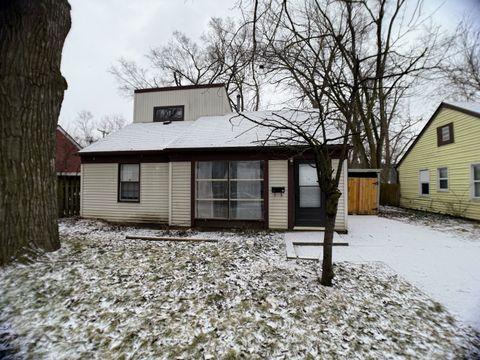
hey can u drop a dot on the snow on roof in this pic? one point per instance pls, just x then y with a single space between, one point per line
230 130
234 130
140 137
469 106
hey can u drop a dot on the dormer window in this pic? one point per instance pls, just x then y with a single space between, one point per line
445 134
168 113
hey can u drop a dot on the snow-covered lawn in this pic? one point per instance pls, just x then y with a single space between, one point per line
437 253
104 297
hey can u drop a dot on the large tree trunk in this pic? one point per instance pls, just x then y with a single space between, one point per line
32 33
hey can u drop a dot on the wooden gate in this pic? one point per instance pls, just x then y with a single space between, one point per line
362 195
68 188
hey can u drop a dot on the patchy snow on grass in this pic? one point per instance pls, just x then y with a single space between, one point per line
102 296
464 228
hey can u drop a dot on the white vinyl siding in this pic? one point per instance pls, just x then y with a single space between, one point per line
197 102
278 203
341 223
99 194
162 184
181 193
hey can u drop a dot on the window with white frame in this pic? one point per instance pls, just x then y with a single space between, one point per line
129 182
424 182
476 180
229 190
442 174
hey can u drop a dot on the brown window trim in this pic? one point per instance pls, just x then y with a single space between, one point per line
139 186
155 108
440 142
229 224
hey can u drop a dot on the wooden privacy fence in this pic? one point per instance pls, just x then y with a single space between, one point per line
390 194
68 188
362 195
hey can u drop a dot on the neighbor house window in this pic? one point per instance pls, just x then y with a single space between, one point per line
442 178
231 190
476 180
445 134
129 182
168 113
424 182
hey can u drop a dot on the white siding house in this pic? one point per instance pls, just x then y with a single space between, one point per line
196 164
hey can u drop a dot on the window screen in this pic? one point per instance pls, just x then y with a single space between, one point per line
424 182
443 178
129 182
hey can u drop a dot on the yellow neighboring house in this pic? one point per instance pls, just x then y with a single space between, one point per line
440 172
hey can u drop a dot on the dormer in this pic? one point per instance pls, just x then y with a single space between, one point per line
180 103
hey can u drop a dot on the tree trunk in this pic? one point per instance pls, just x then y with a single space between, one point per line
31 93
327 263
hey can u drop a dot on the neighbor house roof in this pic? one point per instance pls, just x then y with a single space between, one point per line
226 131
470 108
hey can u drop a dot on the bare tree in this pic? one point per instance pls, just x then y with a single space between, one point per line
31 93
224 54
389 61
303 49
461 70
85 126
89 130
351 61
111 123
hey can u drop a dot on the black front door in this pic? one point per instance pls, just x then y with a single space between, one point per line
309 200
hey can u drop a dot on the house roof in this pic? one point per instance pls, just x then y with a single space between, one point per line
470 108
67 135
226 131
140 137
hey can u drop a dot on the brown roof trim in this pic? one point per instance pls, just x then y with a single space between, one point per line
262 149
461 109
440 107
185 87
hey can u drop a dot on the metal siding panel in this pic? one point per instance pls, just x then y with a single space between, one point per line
197 102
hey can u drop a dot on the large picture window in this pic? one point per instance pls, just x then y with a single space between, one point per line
231 190
129 182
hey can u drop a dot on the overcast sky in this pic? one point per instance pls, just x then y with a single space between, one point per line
105 30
